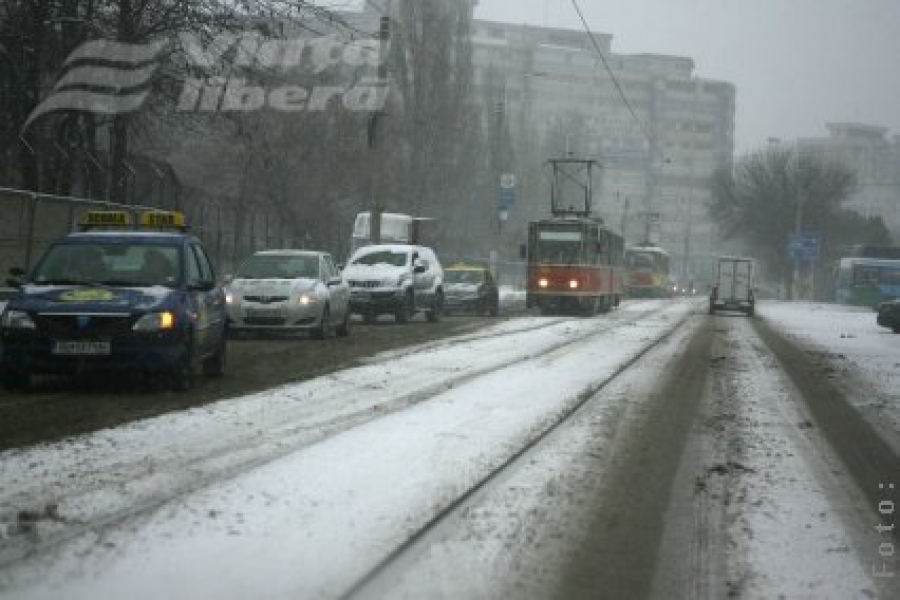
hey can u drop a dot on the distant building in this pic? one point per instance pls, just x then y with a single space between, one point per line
555 94
876 160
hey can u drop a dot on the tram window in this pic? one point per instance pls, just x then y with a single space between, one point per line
640 261
603 255
560 252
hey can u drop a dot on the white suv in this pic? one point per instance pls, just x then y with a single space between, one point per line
397 279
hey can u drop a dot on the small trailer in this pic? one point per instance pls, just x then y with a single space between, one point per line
733 286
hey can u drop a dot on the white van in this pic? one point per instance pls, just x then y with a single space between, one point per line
396 228
733 286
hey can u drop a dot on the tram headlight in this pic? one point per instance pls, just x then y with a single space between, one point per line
573 284
542 282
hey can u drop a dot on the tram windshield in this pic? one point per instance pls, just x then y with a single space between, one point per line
559 247
644 259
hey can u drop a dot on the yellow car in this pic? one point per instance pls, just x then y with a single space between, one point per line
471 288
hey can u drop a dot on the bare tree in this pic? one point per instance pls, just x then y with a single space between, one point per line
771 194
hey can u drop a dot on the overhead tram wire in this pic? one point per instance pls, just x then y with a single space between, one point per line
616 83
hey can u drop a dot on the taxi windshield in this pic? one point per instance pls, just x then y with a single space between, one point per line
107 263
463 276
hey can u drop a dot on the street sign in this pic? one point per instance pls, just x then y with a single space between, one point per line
507 195
507 198
804 246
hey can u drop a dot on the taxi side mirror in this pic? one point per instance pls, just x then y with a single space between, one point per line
202 286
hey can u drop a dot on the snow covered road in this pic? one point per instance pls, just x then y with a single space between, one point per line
688 435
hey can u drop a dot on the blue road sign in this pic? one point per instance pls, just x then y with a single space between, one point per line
805 246
506 198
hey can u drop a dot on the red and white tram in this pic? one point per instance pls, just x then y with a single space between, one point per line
575 264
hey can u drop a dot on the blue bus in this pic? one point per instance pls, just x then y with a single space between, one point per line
867 281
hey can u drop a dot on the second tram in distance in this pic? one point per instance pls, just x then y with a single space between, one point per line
648 272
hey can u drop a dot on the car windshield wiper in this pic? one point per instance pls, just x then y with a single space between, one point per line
122 283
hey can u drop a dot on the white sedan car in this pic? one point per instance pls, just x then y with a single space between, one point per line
288 291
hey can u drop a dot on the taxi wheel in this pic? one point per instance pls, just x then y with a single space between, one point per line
495 308
323 330
214 366
183 376
343 330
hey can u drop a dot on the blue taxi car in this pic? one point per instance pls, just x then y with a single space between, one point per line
115 298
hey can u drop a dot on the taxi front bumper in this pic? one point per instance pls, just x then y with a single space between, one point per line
31 352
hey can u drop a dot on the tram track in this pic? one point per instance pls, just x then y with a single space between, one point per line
48 514
367 586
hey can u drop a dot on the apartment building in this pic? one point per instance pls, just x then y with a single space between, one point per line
658 146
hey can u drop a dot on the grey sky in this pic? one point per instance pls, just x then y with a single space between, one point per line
797 64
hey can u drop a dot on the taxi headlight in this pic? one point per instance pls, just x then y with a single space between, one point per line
160 321
229 298
573 283
17 319
542 282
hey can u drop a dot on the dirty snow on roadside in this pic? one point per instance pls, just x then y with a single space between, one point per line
858 355
791 517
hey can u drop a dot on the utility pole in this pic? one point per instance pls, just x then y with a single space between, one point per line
624 224
375 141
798 232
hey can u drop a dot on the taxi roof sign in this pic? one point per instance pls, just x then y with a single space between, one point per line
161 219
106 218
123 219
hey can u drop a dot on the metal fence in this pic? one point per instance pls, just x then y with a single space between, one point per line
30 221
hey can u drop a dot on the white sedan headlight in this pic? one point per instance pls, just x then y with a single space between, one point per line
307 299
17 319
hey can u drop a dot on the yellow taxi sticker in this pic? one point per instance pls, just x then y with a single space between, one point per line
87 295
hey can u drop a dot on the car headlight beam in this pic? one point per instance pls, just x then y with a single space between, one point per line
160 321
307 299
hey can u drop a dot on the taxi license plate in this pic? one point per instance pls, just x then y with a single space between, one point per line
81 348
